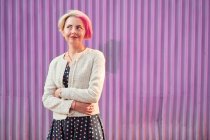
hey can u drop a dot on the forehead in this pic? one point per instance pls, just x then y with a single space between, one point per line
72 20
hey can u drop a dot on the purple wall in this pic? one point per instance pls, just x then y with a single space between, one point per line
158 66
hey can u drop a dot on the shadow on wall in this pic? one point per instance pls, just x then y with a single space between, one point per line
112 51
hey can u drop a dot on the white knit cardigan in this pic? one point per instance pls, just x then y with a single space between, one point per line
86 78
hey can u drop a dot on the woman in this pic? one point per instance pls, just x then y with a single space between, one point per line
74 83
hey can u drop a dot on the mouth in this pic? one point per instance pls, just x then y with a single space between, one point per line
73 37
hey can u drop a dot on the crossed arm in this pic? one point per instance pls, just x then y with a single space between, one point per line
81 100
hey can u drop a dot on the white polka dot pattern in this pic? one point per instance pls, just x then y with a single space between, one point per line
66 76
77 128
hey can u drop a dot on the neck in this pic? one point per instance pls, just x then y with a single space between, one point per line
73 49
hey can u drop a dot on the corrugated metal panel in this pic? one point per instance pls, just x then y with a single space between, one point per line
157 81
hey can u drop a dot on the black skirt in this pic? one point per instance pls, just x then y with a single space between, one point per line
77 128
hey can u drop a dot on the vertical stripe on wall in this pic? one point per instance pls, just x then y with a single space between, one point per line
157 82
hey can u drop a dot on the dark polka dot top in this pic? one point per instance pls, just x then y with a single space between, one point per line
66 75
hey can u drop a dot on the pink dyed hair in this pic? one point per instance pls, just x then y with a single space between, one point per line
85 19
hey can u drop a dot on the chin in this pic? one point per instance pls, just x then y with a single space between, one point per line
74 42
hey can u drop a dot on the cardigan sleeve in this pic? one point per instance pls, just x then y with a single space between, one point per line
93 92
49 101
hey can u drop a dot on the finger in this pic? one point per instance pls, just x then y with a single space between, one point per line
89 113
90 108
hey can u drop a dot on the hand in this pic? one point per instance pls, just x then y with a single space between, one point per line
57 93
85 108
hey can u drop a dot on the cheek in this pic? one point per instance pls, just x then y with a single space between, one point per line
83 34
64 33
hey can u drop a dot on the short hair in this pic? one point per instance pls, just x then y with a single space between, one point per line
85 19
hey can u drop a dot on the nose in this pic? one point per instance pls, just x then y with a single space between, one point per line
73 30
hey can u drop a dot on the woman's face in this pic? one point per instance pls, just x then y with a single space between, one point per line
74 30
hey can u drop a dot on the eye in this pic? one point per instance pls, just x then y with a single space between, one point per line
79 27
69 26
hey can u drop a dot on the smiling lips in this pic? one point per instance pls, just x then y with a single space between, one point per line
73 37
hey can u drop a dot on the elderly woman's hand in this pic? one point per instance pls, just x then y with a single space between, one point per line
57 93
85 108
